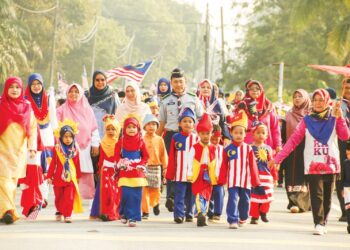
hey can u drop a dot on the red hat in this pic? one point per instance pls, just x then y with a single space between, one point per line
205 124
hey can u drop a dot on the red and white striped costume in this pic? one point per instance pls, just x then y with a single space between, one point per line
219 149
239 167
180 147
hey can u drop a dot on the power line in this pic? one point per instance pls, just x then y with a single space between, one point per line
35 11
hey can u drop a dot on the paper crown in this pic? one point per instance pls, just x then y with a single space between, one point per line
66 123
258 124
205 124
239 119
111 120
187 112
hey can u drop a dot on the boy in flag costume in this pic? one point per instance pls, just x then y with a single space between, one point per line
180 147
64 172
239 171
201 168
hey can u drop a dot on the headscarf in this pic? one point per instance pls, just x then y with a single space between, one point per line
159 92
80 112
131 143
234 100
69 152
14 110
206 100
104 96
262 106
296 114
107 143
321 124
132 107
39 102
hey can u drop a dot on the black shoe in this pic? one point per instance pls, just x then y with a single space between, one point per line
201 221
169 204
263 217
104 217
179 220
145 216
189 219
254 221
156 210
8 218
343 218
349 229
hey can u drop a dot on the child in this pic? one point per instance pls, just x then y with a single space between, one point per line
347 184
216 202
18 134
261 196
64 172
131 157
180 146
158 159
239 170
106 200
201 168
153 105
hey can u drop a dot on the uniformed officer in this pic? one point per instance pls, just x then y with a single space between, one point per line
170 107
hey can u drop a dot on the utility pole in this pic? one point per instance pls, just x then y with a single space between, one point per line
207 37
222 46
53 57
280 82
94 50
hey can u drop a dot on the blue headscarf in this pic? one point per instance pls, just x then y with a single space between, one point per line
167 83
36 97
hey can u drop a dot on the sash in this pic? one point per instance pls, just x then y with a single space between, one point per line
77 203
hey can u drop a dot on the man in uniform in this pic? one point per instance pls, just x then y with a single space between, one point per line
170 107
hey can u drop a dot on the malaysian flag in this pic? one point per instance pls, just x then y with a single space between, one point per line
132 72
84 81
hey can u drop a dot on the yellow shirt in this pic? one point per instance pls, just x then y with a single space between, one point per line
156 150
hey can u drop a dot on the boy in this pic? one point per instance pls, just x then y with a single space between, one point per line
201 168
239 170
180 146
158 159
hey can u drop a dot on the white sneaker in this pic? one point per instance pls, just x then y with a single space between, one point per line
233 226
324 230
319 230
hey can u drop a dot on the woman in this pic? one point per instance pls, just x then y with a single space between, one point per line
18 134
210 103
45 115
321 131
77 108
259 109
163 88
132 103
102 99
297 191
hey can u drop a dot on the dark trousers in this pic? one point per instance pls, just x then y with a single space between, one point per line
184 200
237 204
216 202
321 188
170 189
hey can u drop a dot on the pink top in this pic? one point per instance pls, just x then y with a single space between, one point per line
299 133
274 133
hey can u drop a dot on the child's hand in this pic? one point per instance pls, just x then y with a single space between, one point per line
32 154
337 110
164 181
271 164
94 151
49 181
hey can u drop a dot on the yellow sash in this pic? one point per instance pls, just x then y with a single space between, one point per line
77 203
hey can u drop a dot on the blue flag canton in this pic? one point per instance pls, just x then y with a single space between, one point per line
180 142
140 68
232 152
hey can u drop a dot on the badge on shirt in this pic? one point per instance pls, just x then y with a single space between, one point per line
171 103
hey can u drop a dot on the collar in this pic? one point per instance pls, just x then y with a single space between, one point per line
237 144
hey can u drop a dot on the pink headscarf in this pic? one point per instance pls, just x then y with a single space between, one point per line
296 114
80 112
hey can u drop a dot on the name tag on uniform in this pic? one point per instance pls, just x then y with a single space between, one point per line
171 103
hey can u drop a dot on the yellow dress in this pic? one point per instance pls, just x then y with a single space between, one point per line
14 146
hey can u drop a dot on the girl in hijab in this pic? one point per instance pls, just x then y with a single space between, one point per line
163 88
77 108
102 98
211 104
321 131
132 103
18 135
297 191
259 109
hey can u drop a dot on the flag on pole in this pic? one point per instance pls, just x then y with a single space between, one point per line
62 84
84 81
134 72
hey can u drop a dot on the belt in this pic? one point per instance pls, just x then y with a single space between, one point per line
108 164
